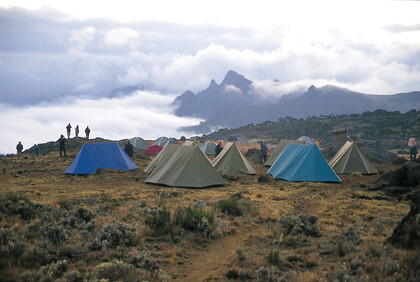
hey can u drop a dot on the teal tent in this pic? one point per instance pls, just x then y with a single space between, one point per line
100 155
279 149
303 163
208 148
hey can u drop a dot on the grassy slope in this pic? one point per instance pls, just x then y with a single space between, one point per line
240 244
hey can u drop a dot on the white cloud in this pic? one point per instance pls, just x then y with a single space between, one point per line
122 37
135 75
232 89
144 114
80 38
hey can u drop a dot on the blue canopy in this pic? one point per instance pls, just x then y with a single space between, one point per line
302 163
100 155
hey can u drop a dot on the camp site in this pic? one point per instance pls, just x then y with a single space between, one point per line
314 211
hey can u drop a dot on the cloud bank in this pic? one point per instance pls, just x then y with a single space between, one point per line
145 114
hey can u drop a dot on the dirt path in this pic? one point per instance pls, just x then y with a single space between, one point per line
205 266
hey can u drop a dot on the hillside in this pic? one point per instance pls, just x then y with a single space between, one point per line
113 226
235 103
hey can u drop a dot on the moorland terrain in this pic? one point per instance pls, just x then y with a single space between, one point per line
112 225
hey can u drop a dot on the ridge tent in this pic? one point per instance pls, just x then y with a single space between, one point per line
100 155
152 149
208 148
139 143
279 149
161 141
232 161
183 166
303 163
349 159
188 143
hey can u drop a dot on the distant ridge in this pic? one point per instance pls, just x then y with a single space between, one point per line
233 104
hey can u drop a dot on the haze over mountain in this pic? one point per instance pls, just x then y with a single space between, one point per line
234 103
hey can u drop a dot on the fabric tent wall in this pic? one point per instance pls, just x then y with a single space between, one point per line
152 149
306 139
232 161
139 143
100 155
350 159
161 141
303 163
183 166
279 149
208 148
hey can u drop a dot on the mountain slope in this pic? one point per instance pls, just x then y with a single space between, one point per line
233 104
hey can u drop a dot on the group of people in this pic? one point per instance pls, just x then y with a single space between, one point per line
76 131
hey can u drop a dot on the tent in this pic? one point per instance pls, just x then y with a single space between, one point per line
100 155
232 161
183 166
349 159
161 141
139 143
306 139
208 148
279 149
152 149
303 163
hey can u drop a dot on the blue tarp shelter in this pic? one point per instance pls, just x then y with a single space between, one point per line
100 155
303 163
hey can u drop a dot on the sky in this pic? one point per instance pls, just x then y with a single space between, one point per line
61 60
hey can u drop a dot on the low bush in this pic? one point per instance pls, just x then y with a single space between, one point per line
160 222
144 260
235 205
116 271
195 220
273 257
113 235
300 224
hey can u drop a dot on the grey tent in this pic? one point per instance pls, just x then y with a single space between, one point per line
208 148
279 149
183 166
161 141
232 161
139 143
349 159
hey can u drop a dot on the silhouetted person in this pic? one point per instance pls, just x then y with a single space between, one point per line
218 148
263 152
128 149
87 131
36 151
62 146
413 148
68 130
76 131
19 148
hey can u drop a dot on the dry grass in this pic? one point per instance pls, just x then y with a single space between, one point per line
239 245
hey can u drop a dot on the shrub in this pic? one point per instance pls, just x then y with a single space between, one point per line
240 253
160 222
234 205
195 220
352 237
57 234
116 271
389 268
53 271
113 235
300 224
11 247
232 274
269 274
273 257
144 260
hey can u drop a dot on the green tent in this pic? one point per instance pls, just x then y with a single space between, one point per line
183 166
232 161
349 159
139 143
279 149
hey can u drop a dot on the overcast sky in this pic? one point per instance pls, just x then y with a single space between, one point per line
60 60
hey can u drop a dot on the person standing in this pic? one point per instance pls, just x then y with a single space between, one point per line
36 151
413 149
76 131
19 148
128 149
68 127
263 153
87 131
62 146
218 148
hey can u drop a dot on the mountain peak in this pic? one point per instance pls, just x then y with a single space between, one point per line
233 78
213 84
